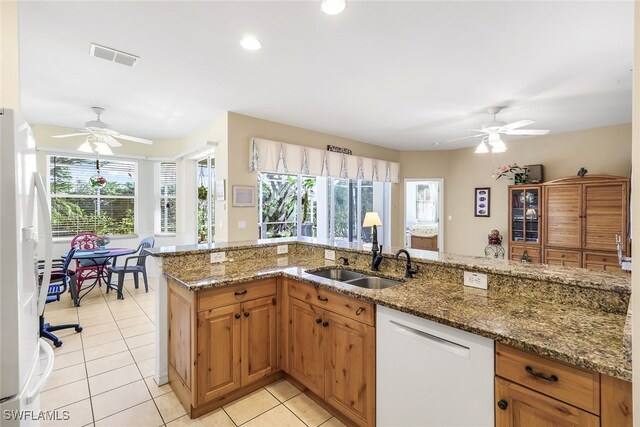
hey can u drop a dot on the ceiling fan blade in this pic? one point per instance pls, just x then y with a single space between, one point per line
518 124
133 138
466 137
477 130
527 132
111 141
69 135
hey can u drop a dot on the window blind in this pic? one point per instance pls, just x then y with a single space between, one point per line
167 197
77 207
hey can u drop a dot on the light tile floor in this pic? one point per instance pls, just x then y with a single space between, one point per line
104 375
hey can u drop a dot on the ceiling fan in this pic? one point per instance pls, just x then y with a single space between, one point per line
490 132
101 136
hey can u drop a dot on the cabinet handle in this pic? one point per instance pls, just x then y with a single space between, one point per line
359 311
247 314
503 404
318 321
325 324
550 378
237 316
325 299
242 292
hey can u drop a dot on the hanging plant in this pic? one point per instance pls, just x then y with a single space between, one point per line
202 192
97 180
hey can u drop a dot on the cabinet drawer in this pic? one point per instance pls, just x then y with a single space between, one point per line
601 261
564 258
517 251
332 301
569 384
213 298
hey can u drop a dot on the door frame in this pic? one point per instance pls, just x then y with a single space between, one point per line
440 209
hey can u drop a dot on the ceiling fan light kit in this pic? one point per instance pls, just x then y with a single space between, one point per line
490 132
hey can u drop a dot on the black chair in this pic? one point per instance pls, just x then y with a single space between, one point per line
137 268
62 280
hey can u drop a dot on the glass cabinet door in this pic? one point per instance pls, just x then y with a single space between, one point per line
525 207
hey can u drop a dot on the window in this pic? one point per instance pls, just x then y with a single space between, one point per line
78 207
167 197
288 205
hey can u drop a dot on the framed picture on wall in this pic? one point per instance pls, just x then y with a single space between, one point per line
482 202
243 196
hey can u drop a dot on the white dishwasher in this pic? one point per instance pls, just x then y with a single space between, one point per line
430 374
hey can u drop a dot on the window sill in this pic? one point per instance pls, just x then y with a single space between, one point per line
165 234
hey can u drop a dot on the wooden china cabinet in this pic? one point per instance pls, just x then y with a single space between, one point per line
525 216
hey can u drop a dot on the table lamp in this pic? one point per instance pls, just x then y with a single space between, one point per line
372 219
531 213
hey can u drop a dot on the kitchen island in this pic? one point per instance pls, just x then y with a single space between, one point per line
572 316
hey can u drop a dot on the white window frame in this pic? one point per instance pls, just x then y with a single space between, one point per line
83 156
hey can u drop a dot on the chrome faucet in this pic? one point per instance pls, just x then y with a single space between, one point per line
376 258
408 271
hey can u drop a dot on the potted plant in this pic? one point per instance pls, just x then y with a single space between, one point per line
102 241
514 172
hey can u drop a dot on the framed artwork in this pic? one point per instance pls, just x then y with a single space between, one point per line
482 202
243 196
221 184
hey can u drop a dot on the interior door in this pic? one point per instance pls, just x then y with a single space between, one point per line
306 343
605 215
258 339
563 220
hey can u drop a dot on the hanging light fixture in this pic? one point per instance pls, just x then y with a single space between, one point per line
103 148
497 145
482 147
85 147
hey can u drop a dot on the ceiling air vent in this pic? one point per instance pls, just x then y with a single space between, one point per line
113 55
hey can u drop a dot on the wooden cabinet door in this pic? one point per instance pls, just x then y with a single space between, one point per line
601 261
518 406
306 345
533 253
258 339
350 367
218 352
605 215
563 222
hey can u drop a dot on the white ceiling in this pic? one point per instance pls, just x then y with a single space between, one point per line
404 75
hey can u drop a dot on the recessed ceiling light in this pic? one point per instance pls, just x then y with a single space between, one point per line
250 43
332 7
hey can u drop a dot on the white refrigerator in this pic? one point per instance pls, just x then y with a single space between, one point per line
26 361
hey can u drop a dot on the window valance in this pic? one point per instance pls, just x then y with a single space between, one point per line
280 157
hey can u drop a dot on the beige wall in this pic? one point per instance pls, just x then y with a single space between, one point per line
242 128
9 65
605 150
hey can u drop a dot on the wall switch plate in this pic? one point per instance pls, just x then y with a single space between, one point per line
475 280
329 254
218 257
242 225
283 249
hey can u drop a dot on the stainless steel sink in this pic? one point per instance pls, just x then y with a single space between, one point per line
371 282
338 274
355 278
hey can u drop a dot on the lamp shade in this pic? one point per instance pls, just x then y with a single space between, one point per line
531 212
371 219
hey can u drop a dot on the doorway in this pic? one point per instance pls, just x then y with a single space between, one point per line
423 212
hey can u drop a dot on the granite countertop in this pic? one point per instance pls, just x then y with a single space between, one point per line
565 275
589 338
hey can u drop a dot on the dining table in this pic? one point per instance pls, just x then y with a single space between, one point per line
101 258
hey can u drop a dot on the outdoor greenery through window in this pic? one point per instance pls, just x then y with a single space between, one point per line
167 197
283 200
78 207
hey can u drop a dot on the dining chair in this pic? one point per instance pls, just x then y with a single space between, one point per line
88 269
62 279
137 268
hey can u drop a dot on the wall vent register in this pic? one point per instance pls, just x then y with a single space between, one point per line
113 55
